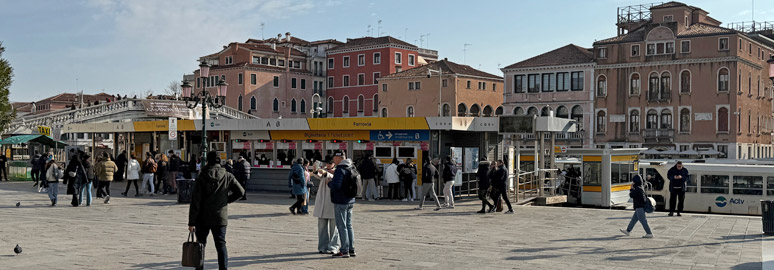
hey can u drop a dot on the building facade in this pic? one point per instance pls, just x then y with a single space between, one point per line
676 80
556 81
355 67
463 91
270 78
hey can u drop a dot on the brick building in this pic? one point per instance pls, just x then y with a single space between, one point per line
675 80
464 91
355 67
270 78
556 81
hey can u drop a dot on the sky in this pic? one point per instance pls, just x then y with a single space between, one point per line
131 46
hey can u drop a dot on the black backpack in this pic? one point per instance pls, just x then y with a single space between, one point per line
350 184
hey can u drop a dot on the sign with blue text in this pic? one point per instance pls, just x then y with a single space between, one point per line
400 135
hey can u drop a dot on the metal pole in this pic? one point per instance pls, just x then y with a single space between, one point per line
204 127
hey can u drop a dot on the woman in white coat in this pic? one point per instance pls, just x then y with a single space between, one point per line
132 175
328 236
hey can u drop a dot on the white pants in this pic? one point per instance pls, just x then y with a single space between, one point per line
447 193
147 178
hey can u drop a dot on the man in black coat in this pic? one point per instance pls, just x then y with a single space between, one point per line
242 173
499 179
678 176
213 190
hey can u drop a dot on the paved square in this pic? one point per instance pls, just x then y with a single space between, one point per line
148 232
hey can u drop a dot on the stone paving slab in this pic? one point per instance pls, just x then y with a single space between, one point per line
147 233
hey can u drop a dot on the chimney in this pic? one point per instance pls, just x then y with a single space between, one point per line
287 36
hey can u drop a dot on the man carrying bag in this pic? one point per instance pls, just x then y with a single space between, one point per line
209 205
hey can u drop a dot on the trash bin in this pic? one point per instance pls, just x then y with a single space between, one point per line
184 189
767 216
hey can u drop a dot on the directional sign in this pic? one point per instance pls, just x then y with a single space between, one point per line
400 135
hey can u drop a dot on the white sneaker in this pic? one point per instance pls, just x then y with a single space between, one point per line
650 235
625 232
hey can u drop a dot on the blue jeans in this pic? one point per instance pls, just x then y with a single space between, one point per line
343 213
219 235
53 190
639 215
85 188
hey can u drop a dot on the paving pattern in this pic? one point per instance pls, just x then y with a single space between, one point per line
148 232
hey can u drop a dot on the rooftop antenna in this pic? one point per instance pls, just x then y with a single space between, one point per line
262 26
465 52
379 28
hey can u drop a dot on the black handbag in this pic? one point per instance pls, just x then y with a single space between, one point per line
193 252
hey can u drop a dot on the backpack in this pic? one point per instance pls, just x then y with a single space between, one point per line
350 185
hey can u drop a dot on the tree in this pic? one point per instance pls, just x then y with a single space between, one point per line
173 89
7 112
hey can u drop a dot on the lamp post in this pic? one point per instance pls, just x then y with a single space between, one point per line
316 110
440 86
205 98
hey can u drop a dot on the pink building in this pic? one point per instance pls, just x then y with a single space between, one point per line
675 80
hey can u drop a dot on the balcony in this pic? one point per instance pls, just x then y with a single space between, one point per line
663 95
659 134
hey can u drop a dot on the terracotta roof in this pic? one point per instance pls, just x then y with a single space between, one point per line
447 67
567 55
371 41
669 5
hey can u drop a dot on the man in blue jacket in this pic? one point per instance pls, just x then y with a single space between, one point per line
343 194
678 176
298 185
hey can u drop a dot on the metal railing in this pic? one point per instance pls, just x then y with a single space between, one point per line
95 111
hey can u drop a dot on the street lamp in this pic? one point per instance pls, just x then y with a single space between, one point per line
440 86
205 98
316 110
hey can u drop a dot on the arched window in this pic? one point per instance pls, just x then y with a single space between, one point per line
562 112
275 105
545 111
252 103
577 114
384 112
601 121
410 111
518 111
651 121
293 106
330 105
601 86
239 103
685 120
666 86
462 110
532 111
666 119
487 111
653 87
634 121
446 110
723 79
376 103
499 110
475 110
723 119
685 81
634 84
346 104
360 103
303 106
